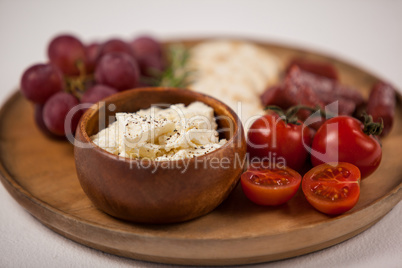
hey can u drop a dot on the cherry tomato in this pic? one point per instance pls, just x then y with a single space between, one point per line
332 189
271 137
341 139
269 185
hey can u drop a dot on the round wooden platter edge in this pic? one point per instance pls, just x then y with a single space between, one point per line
97 237
217 251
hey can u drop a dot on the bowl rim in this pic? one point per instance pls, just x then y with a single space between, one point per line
238 127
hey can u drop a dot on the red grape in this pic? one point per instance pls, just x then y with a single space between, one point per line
149 55
92 52
117 70
116 45
150 65
39 82
146 46
56 110
38 114
66 51
97 93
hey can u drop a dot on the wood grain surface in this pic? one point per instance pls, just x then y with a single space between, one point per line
40 174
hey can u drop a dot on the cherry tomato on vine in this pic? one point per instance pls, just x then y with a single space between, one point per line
332 189
342 139
269 185
271 137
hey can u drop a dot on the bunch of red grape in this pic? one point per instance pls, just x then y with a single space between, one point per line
78 73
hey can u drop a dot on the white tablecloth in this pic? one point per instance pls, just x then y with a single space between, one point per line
368 33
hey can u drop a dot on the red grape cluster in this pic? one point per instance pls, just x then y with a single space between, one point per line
78 73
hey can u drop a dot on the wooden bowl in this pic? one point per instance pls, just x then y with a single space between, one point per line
158 191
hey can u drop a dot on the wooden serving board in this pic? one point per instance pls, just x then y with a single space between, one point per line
40 174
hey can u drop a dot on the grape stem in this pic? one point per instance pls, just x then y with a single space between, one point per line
77 85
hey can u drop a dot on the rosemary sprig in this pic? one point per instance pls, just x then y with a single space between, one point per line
177 74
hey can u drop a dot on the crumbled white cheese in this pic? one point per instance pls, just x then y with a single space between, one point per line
108 138
176 132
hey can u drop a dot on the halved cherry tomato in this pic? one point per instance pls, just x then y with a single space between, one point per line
332 189
269 185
